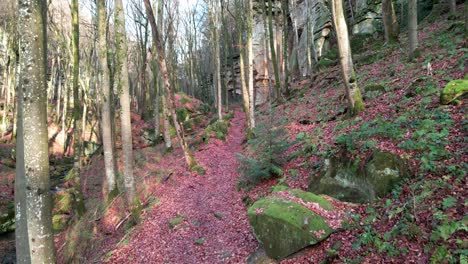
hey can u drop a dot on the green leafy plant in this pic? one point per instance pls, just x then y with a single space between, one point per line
265 156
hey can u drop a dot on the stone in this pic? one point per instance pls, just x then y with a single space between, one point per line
453 90
289 220
347 181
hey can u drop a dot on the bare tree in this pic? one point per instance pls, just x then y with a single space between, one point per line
353 94
106 98
124 85
189 158
35 240
413 28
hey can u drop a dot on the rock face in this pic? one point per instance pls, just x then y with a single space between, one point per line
289 220
346 181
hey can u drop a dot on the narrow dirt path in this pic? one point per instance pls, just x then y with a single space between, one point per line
214 229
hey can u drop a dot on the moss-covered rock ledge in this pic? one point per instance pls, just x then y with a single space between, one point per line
289 220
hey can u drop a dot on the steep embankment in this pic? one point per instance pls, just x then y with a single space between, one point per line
423 218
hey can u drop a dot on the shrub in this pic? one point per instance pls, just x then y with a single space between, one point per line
265 157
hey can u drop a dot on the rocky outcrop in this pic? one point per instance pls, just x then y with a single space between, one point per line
289 220
347 181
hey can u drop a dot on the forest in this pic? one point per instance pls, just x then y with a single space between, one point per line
233 131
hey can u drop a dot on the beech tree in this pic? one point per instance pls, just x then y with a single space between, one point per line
107 138
353 94
390 21
124 88
250 64
34 237
413 28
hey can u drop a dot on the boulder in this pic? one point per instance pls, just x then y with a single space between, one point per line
289 220
347 181
453 90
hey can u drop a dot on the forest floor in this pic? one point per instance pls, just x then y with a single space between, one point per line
195 219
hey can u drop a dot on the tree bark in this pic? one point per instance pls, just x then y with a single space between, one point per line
250 64
189 158
390 21
242 51
33 150
124 83
77 108
106 101
353 94
413 28
272 49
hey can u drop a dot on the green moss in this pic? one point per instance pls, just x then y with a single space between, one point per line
453 90
174 222
307 197
284 227
358 103
199 169
60 222
63 202
182 114
200 241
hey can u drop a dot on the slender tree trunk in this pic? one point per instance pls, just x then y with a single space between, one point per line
353 94
272 49
453 6
390 21
285 45
266 55
413 28
122 69
77 106
106 98
189 158
466 21
215 22
250 63
157 92
33 147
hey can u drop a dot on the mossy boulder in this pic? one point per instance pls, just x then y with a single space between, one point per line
453 90
284 225
7 217
347 181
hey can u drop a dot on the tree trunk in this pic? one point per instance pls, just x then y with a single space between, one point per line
250 63
124 83
413 28
106 98
190 160
272 49
77 106
453 6
353 94
390 21
285 8
215 22
245 91
32 146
